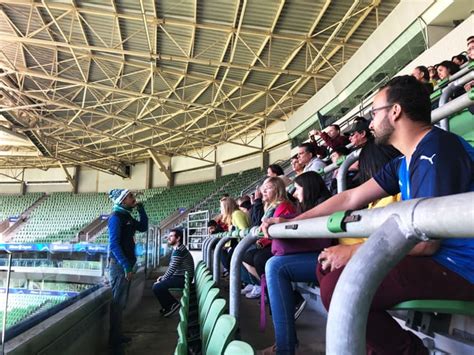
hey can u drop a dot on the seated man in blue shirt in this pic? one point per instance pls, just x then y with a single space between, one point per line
434 163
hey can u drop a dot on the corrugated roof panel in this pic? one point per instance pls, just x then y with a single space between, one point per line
279 52
202 69
298 16
260 14
101 31
133 6
174 40
176 9
334 13
236 74
217 11
247 48
260 78
209 44
134 36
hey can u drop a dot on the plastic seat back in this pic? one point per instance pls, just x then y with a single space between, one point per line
206 305
239 347
222 334
181 349
216 310
204 291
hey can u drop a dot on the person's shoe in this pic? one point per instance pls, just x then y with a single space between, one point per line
246 289
174 307
299 307
267 351
125 340
225 273
162 311
255 293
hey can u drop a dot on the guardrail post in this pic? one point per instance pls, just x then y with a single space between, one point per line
203 248
350 304
234 283
216 267
342 172
209 249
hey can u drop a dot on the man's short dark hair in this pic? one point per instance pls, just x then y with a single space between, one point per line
310 148
294 157
470 39
178 233
424 71
336 126
411 95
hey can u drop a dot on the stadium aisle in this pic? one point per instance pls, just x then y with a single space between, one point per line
150 332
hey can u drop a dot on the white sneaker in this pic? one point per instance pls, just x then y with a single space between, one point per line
255 293
246 289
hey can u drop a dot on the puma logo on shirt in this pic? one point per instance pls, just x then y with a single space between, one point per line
430 159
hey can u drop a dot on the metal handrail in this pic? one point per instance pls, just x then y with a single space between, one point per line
216 269
398 227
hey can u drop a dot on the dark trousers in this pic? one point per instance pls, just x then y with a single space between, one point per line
413 278
120 289
162 293
258 258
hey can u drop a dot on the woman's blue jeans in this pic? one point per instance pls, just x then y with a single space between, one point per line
280 272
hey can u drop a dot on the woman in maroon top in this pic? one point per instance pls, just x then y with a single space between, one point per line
294 260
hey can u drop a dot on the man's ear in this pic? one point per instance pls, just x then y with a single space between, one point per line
395 112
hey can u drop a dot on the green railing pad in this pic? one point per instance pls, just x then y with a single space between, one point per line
438 306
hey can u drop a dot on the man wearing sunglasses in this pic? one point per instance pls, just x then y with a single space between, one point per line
358 132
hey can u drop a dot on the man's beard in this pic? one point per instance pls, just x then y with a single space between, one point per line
382 136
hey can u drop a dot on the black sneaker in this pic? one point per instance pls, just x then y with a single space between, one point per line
162 311
169 312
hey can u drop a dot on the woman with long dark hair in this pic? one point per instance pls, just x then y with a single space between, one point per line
294 260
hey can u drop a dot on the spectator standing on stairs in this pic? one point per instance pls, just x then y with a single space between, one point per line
121 258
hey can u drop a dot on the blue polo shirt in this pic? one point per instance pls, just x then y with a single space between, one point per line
442 164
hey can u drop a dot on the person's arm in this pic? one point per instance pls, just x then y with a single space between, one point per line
327 140
114 243
175 264
425 248
142 225
348 200
337 256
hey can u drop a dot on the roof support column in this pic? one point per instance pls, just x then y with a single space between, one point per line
166 171
149 173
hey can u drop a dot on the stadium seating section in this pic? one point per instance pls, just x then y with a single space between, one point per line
14 205
22 306
62 215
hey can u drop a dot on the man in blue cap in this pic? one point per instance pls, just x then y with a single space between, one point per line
121 258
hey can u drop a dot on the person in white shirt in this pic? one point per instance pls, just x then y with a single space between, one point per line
307 156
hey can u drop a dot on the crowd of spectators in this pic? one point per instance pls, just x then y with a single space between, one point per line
374 179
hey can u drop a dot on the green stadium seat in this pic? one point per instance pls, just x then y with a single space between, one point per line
438 306
222 334
239 347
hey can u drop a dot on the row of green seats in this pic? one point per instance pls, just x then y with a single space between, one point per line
211 332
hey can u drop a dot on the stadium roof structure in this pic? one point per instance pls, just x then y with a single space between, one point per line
107 83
